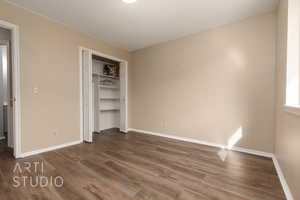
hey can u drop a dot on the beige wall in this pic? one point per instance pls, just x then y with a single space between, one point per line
208 85
287 146
4 34
49 61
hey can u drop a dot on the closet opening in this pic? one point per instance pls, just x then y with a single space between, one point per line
104 94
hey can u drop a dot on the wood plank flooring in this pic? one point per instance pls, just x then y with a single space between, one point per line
142 167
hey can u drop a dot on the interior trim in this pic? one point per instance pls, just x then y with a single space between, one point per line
283 182
31 153
239 149
295 110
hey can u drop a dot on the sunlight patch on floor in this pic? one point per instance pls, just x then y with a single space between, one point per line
232 141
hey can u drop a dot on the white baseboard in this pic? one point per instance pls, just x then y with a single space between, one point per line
253 152
239 149
283 182
31 153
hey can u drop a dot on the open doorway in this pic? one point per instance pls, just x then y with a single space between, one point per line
103 93
10 102
6 104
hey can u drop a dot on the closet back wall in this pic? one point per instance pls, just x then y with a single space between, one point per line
211 85
50 61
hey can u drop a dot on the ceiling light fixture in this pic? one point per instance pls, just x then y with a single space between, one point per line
129 1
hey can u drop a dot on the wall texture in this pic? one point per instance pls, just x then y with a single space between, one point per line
287 146
50 61
209 85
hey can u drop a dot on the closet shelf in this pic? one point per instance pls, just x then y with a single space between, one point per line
109 109
106 76
105 98
109 87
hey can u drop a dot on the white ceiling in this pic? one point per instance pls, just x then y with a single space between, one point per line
146 22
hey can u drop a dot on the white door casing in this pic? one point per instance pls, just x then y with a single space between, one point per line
87 95
123 97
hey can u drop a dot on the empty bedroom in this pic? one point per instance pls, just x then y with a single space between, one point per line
150 100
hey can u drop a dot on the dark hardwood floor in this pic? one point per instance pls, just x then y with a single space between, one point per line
4 147
142 167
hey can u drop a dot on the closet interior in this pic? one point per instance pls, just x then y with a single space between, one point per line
106 93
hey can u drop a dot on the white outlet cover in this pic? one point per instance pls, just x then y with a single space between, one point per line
35 90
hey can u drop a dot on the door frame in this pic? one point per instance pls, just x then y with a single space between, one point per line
94 52
16 84
82 94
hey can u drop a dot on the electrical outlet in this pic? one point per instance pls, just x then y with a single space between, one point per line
35 90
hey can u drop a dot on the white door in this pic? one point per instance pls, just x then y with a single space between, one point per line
87 96
123 97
